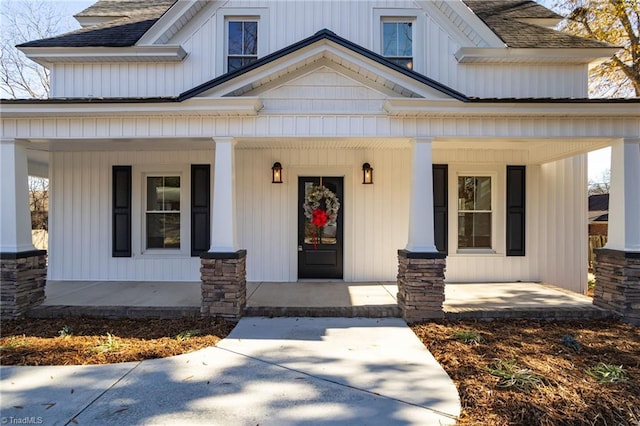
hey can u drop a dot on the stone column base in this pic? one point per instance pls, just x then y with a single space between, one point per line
23 277
421 285
224 284
618 283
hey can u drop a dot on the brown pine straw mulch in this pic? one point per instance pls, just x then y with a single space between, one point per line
78 341
567 396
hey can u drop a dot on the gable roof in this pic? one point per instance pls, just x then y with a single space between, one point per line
318 37
135 17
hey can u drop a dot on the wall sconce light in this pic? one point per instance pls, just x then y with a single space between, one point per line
367 174
276 173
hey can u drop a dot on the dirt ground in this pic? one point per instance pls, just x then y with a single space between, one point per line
562 393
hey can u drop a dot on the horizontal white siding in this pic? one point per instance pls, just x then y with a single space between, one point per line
290 22
327 125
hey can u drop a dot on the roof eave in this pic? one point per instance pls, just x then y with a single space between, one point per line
51 55
242 107
511 107
470 55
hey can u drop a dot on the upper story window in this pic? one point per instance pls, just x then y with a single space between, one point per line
242 43
397 41
474 212
162 213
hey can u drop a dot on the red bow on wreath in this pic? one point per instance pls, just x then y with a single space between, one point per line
319 218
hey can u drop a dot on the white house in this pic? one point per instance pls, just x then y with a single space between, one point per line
427 132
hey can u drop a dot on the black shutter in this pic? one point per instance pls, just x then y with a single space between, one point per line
121 245
516 200
200 208
440 203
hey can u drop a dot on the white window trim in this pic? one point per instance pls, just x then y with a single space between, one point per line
494 213
139 230
259 15
381 15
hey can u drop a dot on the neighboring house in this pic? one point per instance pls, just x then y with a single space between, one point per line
447 129
598 214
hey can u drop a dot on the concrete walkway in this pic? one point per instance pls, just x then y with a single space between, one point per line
283 371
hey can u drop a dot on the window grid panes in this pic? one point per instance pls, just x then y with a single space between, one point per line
397 42
242 44
474 212
163 212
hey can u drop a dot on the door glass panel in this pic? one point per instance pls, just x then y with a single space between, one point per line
321 214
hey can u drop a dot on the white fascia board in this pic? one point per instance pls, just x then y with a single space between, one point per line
403 107
478 25
469 55
245 106
169 20
89 21
50 55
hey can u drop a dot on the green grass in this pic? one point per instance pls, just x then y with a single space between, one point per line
467 336
607 373
108 345
186 335
511 375
65 331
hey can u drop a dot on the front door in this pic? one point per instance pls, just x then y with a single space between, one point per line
320 227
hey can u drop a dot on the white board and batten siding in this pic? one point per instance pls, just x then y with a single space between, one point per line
285 23
375 216
81 217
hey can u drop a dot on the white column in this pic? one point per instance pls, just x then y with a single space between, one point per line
624 197
15 218
421 235
223 219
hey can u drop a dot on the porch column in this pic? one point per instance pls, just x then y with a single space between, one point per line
22 267
223 267
420 266
617 265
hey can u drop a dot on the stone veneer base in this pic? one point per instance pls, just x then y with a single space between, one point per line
23 277
421 285
224 284
618 283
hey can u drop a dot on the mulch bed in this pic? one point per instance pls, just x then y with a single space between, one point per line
566 394
77 341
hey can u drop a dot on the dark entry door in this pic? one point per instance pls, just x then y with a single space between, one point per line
320 227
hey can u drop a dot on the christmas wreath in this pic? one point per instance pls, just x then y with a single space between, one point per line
318 214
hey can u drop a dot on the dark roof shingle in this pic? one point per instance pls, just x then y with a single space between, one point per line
137 16
504 18
598 202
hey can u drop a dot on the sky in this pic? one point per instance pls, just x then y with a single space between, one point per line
599 161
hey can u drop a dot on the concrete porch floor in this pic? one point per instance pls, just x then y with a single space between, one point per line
311 298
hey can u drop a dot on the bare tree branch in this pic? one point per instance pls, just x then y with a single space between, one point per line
23 21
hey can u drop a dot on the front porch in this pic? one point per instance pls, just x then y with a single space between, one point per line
313 299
